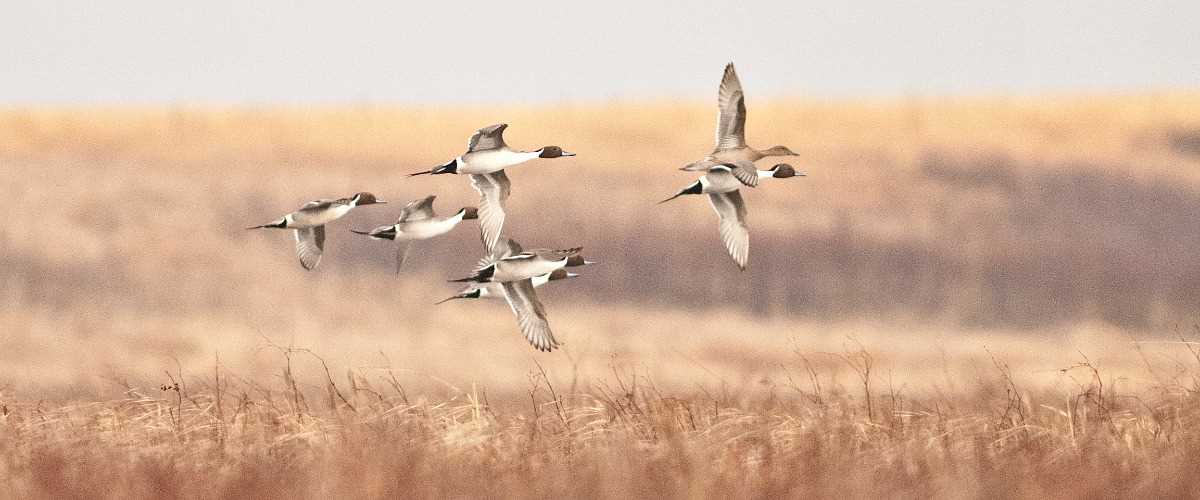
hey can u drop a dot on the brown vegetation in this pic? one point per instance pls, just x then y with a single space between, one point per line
805 435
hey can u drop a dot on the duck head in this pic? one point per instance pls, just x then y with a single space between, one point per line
470 213
562 274
552 152
575 261
365 198
784 171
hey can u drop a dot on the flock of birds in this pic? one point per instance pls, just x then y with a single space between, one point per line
508 270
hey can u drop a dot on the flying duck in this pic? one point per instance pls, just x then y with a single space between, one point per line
518 289
485 160
418 221
731 135
309 222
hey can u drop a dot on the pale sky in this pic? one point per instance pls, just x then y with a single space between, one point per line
278 51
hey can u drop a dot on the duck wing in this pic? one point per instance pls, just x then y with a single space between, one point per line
402 255
489 137
415 210
310 244
505 247
731 112
493 190
734 233
744 171
531 314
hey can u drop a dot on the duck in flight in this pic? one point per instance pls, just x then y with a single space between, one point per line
485 160
731 148
496 290
417 222
308 224
723 190
510 271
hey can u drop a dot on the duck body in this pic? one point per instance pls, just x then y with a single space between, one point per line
527 265
428 228
492 161
418 221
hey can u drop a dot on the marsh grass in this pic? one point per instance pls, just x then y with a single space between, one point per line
314 435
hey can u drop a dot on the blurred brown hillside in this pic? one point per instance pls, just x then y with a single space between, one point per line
981 212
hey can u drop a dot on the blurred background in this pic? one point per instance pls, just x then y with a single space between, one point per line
1020 177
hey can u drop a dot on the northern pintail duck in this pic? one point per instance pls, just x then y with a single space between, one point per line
309 224
418 221
496 290
722 186
485 160
525 265
731 135
518 274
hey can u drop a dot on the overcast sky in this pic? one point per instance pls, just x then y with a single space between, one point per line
279 51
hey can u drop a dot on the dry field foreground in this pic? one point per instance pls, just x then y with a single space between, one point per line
995 258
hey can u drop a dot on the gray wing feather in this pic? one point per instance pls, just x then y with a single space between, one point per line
699 166
316 205
493 190
731 116
531 314
421 209
744 171
505 247
490 137
310 243
734 233
402 255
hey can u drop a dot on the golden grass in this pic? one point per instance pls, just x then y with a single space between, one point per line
802 435
950 237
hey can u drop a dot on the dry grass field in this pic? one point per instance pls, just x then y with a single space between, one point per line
981 297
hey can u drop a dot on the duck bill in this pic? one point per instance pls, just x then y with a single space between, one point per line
567 153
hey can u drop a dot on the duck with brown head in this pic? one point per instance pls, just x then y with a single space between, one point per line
508 271
486 158
723 193
731 144
418 221
309 224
